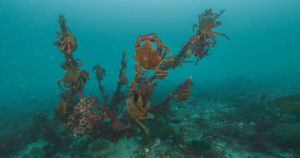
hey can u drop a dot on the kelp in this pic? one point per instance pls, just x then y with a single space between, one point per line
288 104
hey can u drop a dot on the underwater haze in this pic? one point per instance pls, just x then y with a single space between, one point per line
244 95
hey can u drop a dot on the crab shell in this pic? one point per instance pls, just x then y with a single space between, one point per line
135 106
207 24
72 76
147 56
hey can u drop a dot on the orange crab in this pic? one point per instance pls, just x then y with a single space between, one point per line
147 56
207 22
67 43
137 109
74 78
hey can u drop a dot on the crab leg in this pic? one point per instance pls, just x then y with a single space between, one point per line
137 43
58 82
221 34
145 109
148 38
166 62
142 125
146 35
160 45
147 117
213 38
165 54
160 72
68 85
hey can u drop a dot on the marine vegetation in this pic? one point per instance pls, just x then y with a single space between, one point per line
287 134
82 116
119 94
287 104
100 73
163 131
198 45
38 128
181 93
199 147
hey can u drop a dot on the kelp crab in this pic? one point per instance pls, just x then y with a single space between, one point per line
137 109
66 41
207 22
147 56
74 78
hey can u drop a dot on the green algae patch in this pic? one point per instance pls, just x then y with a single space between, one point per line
288 104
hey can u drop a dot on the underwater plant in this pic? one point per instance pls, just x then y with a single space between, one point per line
82 116
113 102
163 131
287 134
198 147
288 104
122 81
100 73
181 93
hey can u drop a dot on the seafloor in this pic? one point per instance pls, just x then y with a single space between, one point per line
225 117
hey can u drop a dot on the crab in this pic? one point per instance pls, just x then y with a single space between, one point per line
207 22
67 43
147 56
74 79
137 109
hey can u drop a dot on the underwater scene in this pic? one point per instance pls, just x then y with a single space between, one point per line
149 79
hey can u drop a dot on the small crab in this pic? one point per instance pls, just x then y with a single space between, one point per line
74 79
67 43
137 109
208 21
147 56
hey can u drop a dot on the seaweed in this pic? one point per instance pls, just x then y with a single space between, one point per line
100 73
287 135
81 114
181 93
199 147
113 102
288 104
161 129
119 96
